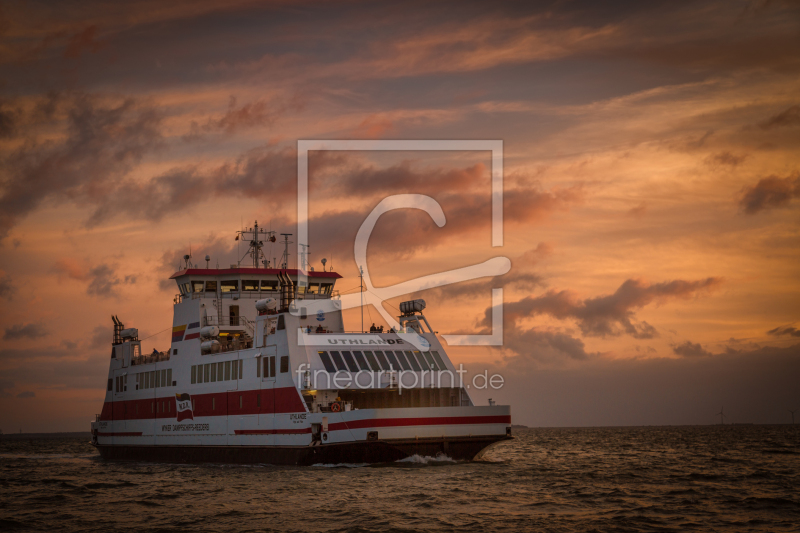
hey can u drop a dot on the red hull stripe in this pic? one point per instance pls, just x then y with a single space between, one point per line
271 431
232 403
120 434
432 421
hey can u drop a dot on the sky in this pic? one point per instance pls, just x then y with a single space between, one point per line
651 187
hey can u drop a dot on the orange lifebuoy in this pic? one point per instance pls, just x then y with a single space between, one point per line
336 407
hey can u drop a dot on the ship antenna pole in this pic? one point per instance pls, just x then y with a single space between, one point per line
361 287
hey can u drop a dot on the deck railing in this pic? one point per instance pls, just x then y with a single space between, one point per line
145 359
255 295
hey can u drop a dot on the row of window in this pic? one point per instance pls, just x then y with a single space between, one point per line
120 383
268 364
249 285
376 361
219 371
144 380
154 379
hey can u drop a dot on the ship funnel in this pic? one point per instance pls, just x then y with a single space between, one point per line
287 291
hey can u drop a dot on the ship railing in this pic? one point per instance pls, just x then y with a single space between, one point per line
234 346
146 359
230 321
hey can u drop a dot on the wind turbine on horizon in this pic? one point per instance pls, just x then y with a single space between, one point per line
721 416
792 415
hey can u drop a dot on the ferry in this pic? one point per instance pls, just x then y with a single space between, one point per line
261 370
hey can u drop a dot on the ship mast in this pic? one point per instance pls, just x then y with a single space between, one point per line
255 238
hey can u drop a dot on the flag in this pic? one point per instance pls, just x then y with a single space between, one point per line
184 407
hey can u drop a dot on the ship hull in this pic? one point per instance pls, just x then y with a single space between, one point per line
380 451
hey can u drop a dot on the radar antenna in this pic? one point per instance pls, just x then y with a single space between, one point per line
255 238
285 256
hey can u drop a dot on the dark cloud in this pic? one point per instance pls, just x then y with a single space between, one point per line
249 115
400 233
786 118
9 116
515 279
755 385
690 349
69 345
24 331
542 345
5 384
104 141
102 336
610 315
770 192
101 280
7 288
638 211
26 394
726 158
82 42
785 330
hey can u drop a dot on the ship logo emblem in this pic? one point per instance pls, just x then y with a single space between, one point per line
320 315
184 409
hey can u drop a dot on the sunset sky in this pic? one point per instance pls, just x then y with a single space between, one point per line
651 186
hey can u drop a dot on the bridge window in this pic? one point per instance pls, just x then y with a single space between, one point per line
337 358
197 286
430 361
382 360
313 288
250 285
326 288
211 286
438 359
351 363
269 285
230 285
327 361
393 361
194 374
403 361
372 362
413 361
227 370
361 361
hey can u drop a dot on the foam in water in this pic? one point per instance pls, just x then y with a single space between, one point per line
427 459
